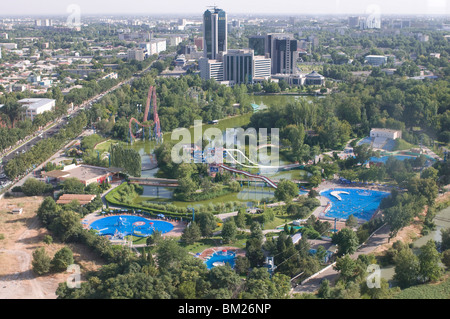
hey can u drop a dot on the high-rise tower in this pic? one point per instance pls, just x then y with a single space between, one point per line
214 32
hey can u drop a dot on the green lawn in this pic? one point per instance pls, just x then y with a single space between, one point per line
104 147
401 145
231 122
215 241
427 291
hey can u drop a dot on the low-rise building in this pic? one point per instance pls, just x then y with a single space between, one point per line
314 78
82 199
385 133
35 106
87 174
376 60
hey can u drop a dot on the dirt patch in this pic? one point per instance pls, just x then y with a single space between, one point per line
22 234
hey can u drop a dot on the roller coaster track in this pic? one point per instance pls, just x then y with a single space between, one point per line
151 97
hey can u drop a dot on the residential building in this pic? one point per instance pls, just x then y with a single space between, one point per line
35 106
353 22
371 22
135 36
136 54
9 46
199 43
214 32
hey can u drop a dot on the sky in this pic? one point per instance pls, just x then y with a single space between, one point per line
180 7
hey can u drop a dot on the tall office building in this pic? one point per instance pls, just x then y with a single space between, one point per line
258 44
238 66
284 55
214 33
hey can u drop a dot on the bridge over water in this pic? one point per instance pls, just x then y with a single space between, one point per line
153 181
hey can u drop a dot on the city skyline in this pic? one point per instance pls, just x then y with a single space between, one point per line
179 7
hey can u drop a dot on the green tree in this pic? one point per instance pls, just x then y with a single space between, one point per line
62 259
407 268
73 186
33 187
241 265
429 259
286 190
324 289
41 262
346 240
191 233
229 231
170 254
207 223
351 221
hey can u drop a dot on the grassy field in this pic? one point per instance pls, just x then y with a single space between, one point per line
403 145
427 291
231 122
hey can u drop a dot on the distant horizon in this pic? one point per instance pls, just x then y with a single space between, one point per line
192 15
24 8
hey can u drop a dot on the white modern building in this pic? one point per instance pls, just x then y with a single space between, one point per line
261 67
376 60
35 106
155 46
385 133
211 69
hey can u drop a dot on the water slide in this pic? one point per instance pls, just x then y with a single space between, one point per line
238 171
256 165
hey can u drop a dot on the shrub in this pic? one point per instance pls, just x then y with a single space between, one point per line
62 259
41 262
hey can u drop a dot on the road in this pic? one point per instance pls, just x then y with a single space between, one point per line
61 122
380 237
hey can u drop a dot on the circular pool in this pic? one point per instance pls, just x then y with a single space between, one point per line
220 259
124 225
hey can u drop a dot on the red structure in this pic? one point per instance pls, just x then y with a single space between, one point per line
151 97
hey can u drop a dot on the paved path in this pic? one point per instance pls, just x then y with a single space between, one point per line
380 237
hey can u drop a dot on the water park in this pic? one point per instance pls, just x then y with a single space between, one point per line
120 226
343 202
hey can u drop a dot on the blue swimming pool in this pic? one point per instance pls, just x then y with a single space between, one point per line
220 258
383 159
347 201
124 225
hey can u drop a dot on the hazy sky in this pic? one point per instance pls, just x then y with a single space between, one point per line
291 7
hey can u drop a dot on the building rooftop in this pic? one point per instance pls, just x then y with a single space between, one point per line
82 172
35 103
385 130
83 199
